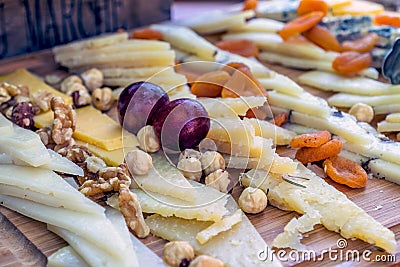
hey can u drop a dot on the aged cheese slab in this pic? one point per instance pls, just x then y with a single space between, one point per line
386 126
259 25
348 100
65 257
231 130
265 129
394 117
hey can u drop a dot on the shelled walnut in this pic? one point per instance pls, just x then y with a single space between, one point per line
42 99
22 115
64 121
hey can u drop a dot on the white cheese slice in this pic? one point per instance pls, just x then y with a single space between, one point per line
166 179
66 257
6 126
281 84
231 107
272 42
385 109
394 117
339 123
21 138
353 85
265 129
239 246
259 25
298 129
48 184
348 100
185 39
216 228
136 72
304 103
231 130
337 212
385 126
91 227
210 205
261 148
57 163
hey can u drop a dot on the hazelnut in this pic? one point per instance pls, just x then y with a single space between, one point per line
93 79
22 115
362 112
148 141
253 200
81 98
206 261
220 180
95 164
207 144
190 168
67 82
75 87
138 161
102 98
190 153
177 251
212 161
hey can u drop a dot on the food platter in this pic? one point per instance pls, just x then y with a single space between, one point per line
380 199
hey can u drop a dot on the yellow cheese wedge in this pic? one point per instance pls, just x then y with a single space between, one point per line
230 130
394 117
218 227
385 126
260 146
259 25
358 8
266 129
338 3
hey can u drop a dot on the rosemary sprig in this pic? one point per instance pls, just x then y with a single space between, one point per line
286 178
298 177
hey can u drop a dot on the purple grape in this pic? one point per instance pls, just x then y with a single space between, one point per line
181 124
138 103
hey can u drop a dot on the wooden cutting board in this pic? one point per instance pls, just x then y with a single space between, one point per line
26 242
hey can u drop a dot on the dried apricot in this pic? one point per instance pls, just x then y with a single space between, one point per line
250 4
345 171
315 139
243 47
301 24
279 119
361 45
387 19
147 33
312 154
306 6
210 84
350 63
322 37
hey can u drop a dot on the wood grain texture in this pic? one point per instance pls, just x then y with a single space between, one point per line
380 199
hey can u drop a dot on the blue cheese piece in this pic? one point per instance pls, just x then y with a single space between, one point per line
342 24
387 35
282 10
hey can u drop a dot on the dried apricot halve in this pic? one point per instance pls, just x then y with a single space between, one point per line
362 45
345 171
350 63
301 24
147 33
306 6
210 84
250 4
279 119
322 37
243 47
315 139
386 19
312 154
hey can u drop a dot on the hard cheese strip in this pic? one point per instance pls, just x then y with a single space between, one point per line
47 183
304 103
357 8
385 109
261 148
137 72
394 117
231 130
386 126
6 126
281 84
259 25
82 224
165 179
65 257
160 79
348 100
238 246
337 212
266 129
231 107
352 85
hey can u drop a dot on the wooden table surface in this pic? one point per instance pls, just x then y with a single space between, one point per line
25 242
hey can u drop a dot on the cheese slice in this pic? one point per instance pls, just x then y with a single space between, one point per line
394 117
137 72
259 25
6 126
91 227
230 130
231 107
281 83
41 184
352 85
166 82
24 77
209 205
337 212
166 179
385 109
218 227
265 129
348 100
272 42
259 148
21 138
239 246
358 8
339 123
66 257
304 103
185 39
385 126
